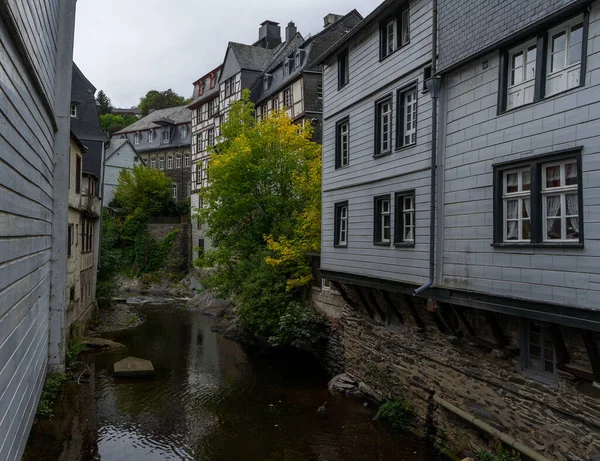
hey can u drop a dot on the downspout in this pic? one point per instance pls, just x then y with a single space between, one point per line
434 90
505 438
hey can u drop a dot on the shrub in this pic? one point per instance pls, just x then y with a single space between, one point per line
396 414
49 393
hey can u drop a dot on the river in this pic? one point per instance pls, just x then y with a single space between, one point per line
209 400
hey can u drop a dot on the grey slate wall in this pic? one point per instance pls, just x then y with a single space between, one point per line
468 26
367 177
29 271
477 138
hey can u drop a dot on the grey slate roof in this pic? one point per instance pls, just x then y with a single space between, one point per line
252 57
178 115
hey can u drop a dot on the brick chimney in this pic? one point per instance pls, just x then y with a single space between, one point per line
290 31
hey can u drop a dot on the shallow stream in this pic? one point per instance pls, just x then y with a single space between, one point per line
209 400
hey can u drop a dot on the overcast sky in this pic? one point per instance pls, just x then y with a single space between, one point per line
128 47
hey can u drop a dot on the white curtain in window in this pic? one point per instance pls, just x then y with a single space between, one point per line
553 209
512 212
552 174
512 180
573 209
553 206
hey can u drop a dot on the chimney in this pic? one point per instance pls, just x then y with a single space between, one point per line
269 35
290 31
331 18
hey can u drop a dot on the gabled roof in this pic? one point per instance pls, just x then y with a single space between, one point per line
251 57
376 15
78 143
86 125
174 115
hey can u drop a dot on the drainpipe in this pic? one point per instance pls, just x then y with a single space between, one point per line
507 439
433 84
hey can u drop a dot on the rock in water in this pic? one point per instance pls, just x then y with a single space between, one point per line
133 367
343 384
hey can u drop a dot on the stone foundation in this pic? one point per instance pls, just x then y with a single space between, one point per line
179 256
400 358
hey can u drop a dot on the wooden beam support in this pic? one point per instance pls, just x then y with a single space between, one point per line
390 304
562 354
374 304
592 350
361 299
413 311
496 328
344 294
444 312
464 320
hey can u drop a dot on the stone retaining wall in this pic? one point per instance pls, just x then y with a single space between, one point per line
560 421
179 256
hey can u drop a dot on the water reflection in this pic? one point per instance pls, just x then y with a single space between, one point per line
211 401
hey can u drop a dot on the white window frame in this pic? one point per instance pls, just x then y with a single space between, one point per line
522 92
183 131
151 136
320 89
385 120
174 190
405 36
297 59
169 162
275 103
211 108
520 196
166 136
408 210
562 191
390 36
187 160
344 144
288 98
161 163
210 137
73 111
409 130
569 75
153 163
178 161
384 214
136 138
342 238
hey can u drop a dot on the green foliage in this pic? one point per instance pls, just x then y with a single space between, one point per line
396 414
104 102
160 100
74 348
263 216
49 393
111 123
143 190
110 263
500 455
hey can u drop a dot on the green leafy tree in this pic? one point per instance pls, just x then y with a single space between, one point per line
111 123
160 100
263 215
143 189
104 102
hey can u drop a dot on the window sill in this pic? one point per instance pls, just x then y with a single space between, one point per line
545 98
343 167
404 147
537 245
341 87
340 246
383 154
404 245
381 244
383 58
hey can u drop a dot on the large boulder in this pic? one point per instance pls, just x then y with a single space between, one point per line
343 384
101 344
209 304
133 367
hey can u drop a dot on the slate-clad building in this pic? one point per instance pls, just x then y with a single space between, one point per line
119 155
506 329
35 87
162 140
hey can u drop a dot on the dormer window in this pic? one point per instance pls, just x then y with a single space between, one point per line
165 136
73 112
212 81
266 81
394 33
151 136
184 131
136 138
298 58
200 88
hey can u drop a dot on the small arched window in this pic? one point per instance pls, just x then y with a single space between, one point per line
170 162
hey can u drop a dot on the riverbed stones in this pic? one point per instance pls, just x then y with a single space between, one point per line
343 384
101 344
209 304
133 367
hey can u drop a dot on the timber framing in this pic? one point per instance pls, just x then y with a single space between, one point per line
571 316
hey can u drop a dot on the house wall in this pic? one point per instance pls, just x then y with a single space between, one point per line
367 177
179 176
477 138
36 46
124 158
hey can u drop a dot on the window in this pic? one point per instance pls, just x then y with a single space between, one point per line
297 59
287 98
539 201
72 294
161 163
78 174
565 50
286 67
537 352
199 143
320 89
200 88
275 104
531 74
211 137
170 162
340 238
266 81
426 76
73 111
383 126
151 136
184 132
211 108
343 69
200 247
394 33
406 132
136 138
136 159
178 161
212 81
186 160
230 87
174 190
521 74
382 229
69 239
199 115
342 143
165 136
405 219
153 163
